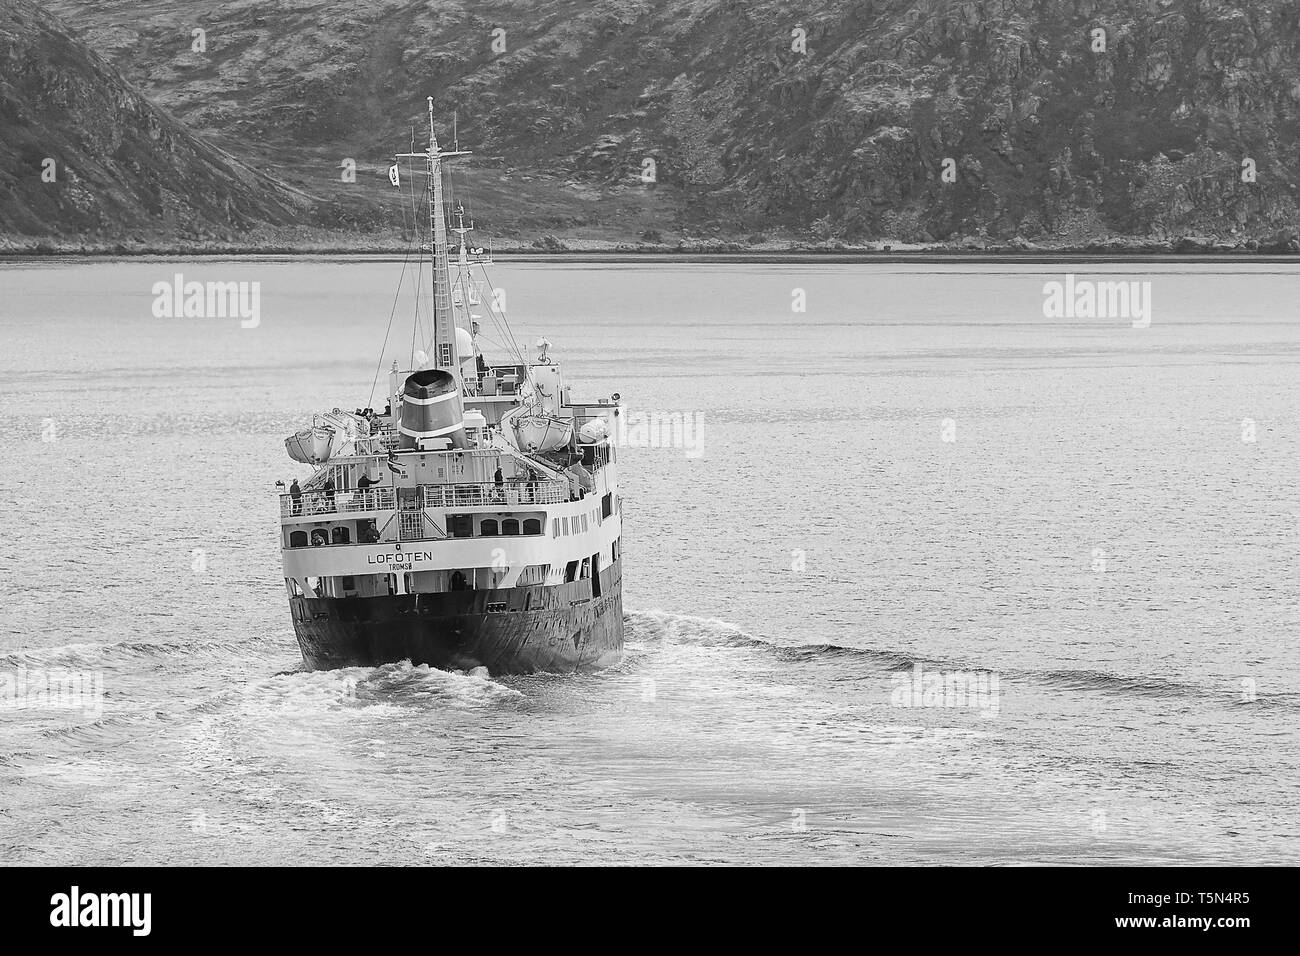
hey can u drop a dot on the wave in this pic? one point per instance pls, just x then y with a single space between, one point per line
75 727
93 655
662 627
62 654
398 685
1084 679
404 683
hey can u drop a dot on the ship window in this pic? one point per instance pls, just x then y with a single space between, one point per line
532 526
566 525
298 539
319 536
460 526
510 526
571 571
555 528
614 550
586 568
585 526
488 528
607 504
341 535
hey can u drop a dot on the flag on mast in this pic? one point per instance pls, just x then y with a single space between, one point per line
393 177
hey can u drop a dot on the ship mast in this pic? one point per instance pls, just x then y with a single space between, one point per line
445 353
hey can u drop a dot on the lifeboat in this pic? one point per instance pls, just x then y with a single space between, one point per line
541 433
311 446
327 436
593 431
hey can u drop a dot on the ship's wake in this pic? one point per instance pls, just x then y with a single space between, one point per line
657 628
388 686
647 632
130 653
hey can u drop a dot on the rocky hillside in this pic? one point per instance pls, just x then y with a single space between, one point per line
83 154
832 121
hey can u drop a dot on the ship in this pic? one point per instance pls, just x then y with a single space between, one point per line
474 522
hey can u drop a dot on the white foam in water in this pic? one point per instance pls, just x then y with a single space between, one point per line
686 628
63 653
386 686
474 688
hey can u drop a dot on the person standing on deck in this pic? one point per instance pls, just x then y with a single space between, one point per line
364 484
295 493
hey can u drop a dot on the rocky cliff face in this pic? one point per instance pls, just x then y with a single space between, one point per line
913 120
81 153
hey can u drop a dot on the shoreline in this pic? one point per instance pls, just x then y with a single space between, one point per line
382 245
847 257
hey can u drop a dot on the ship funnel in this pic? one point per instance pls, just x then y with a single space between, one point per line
431 409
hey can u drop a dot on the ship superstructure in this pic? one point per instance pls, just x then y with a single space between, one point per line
476 519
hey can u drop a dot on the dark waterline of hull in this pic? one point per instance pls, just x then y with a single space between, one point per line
560 629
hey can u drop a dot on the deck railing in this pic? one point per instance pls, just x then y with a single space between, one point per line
461 495
477 494
338 502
